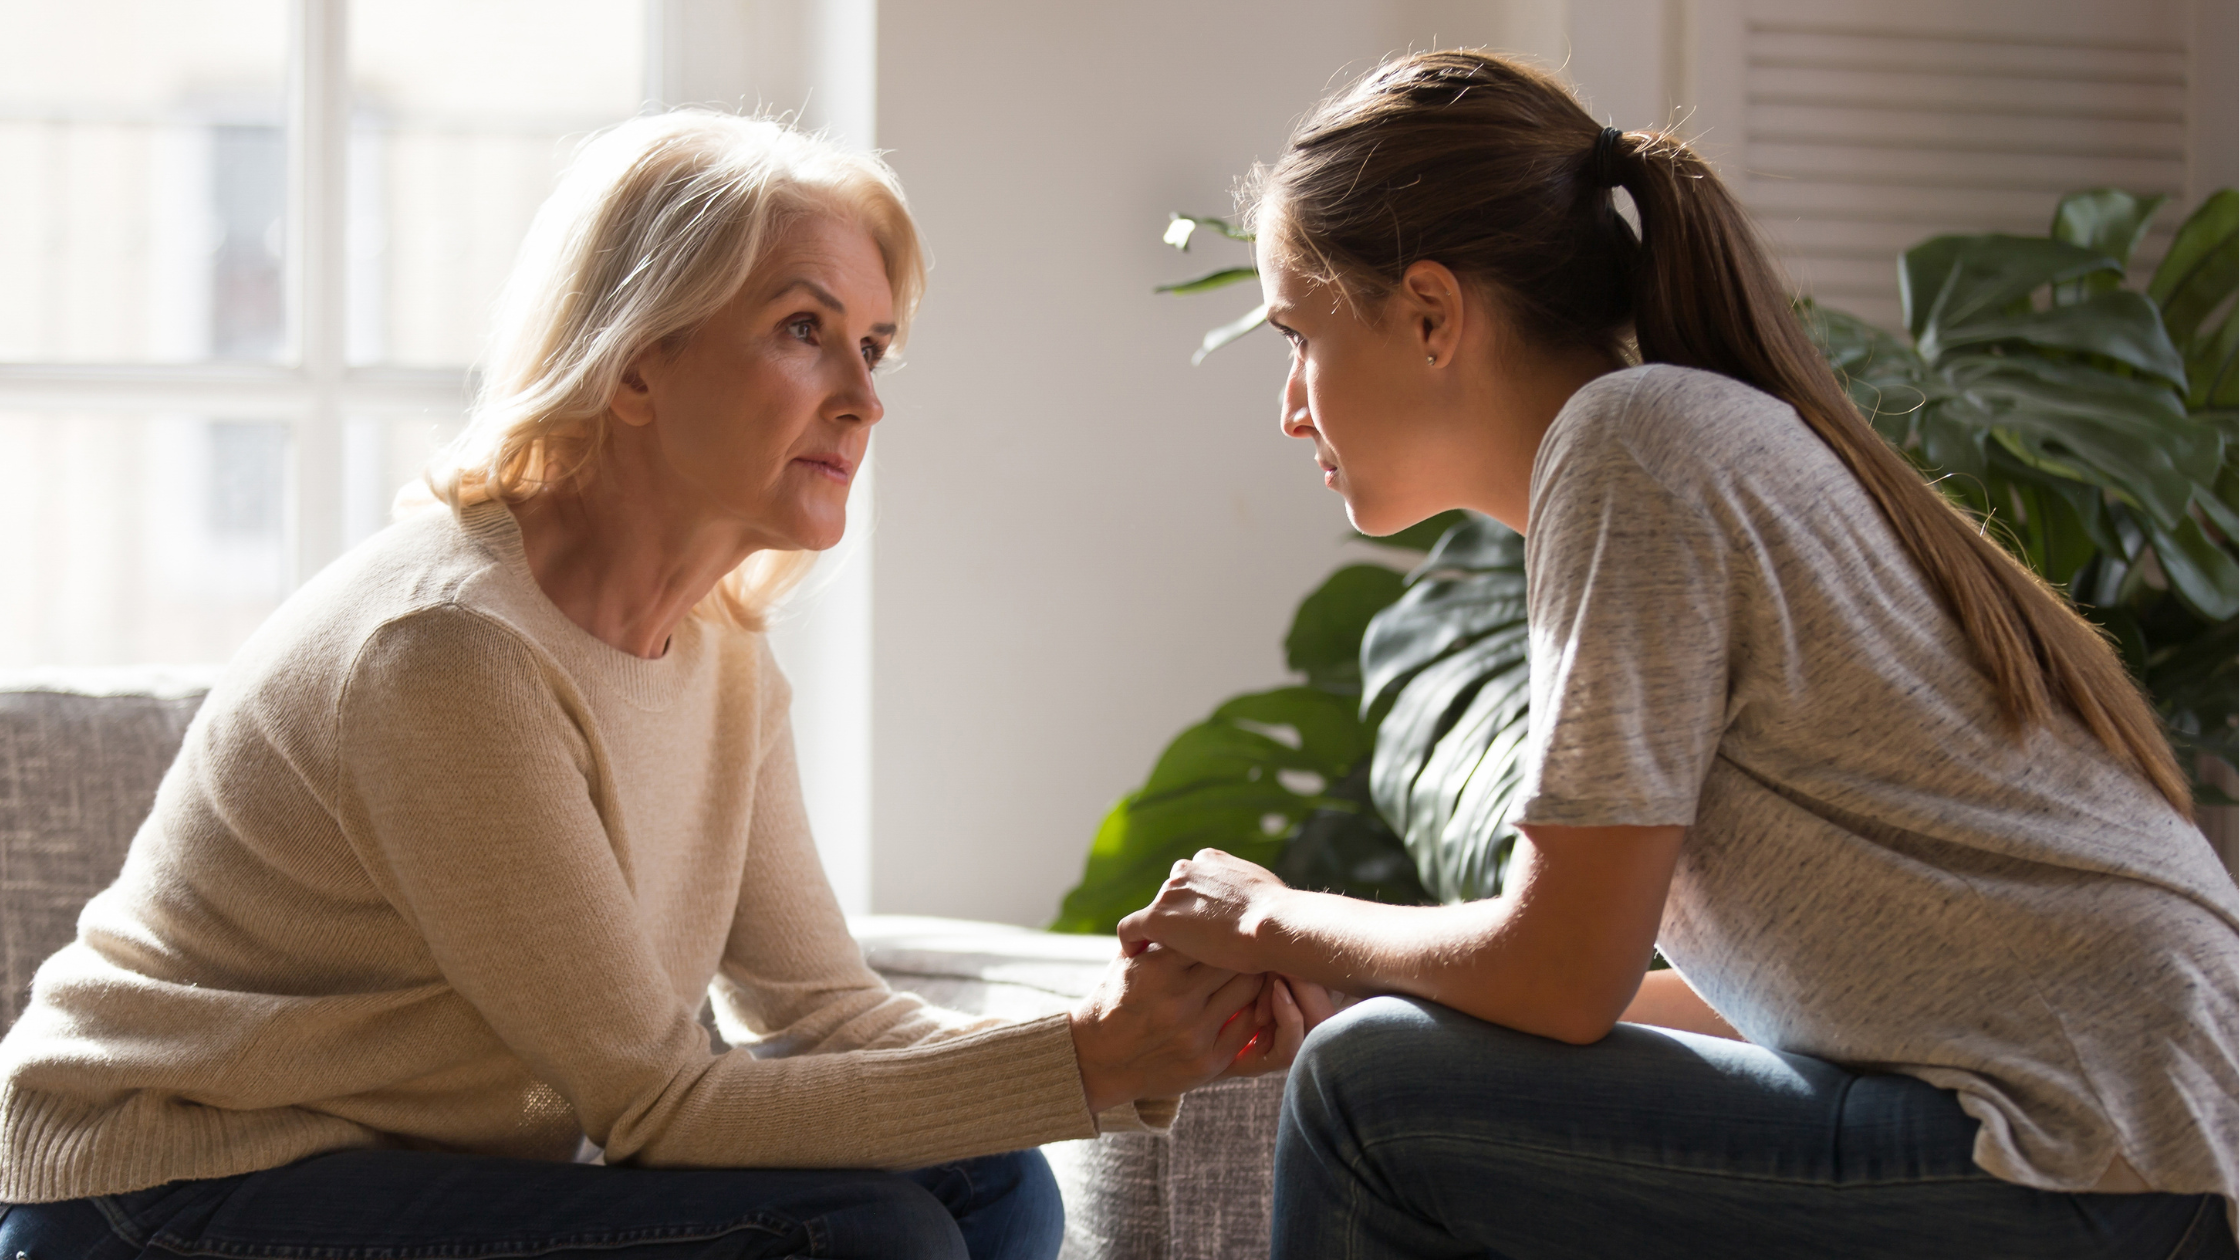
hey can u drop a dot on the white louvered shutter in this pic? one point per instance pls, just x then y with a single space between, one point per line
1855 128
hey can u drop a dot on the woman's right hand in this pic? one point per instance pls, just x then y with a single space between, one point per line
1159 1024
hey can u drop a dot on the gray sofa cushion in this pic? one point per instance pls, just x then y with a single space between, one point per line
81 753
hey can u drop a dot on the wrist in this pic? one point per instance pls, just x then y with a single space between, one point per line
1103 1085
1269 927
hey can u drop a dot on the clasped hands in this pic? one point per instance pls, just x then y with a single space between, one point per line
1191 997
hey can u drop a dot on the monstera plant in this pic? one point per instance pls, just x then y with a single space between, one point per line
2090 425
1279 777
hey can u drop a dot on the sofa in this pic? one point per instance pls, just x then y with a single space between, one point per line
81 752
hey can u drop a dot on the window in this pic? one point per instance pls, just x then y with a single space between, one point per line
248 250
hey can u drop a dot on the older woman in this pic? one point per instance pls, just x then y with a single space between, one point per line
456 847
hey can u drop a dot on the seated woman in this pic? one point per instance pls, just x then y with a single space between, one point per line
469 829
1892 809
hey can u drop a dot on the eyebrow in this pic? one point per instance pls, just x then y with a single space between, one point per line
826 299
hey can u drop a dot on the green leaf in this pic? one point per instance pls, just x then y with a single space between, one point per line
2200 572
1448 664
1211 280
2076 421
1441 736
1181 227
2198 274
1243 781
2108 221
2122 325
1949 281
2195 681
1142 839
1471 585
1351 851
1238 327
2210 369
1325 638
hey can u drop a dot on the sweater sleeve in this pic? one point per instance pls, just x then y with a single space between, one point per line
793 980
509 875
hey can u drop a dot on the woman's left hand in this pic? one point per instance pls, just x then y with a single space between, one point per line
1211 908
1288 1009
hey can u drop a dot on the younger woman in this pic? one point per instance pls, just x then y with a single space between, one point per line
1892 809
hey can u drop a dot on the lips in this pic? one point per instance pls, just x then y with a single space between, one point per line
834 465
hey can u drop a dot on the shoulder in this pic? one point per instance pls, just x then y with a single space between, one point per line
747 675
306 650
1695 433
1662 414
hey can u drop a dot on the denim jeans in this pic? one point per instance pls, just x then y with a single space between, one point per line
404 1205
1411 1130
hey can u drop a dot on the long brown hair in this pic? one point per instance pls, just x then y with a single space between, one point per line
1492 168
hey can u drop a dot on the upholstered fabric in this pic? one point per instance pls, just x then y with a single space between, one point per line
81 753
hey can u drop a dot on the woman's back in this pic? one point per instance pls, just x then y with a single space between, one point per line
1727 635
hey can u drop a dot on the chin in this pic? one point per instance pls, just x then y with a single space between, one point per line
1377 520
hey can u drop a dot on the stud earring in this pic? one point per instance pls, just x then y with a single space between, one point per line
1431 359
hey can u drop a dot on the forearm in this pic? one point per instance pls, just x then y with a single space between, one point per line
1477 957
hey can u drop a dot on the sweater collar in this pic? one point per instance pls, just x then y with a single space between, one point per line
645 684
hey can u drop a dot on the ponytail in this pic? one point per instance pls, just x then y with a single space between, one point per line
1492 168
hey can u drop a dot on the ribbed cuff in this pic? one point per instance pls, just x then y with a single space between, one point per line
1145 1115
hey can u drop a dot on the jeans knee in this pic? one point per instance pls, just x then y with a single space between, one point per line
1007 1206
894 1218
1364 1034
1355 1047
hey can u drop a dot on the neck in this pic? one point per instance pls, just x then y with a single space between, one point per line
624 560
1523 394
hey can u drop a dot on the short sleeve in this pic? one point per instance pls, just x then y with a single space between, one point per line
1627 604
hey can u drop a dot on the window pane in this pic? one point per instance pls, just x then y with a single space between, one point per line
145 198
464 111
382 455
141 538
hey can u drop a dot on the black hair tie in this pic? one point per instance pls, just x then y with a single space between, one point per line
1603 166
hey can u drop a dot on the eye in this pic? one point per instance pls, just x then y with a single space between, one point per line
872 353
802 327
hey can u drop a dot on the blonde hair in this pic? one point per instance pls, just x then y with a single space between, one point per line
655 226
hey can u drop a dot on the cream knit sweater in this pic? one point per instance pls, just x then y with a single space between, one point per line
437 869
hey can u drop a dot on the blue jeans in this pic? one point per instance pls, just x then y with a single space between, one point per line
403 1205
1411 1130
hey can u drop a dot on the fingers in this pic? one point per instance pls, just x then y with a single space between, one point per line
1314 1002
1135 932
1239 992
1235 1035
1290 1024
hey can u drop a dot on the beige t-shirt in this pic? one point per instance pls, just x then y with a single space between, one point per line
436 868
1727 635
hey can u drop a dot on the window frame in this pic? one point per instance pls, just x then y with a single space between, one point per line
313 387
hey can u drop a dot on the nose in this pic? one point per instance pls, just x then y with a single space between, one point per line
858 398
1294 418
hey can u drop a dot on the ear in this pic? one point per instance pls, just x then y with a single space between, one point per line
632 402
1430 299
